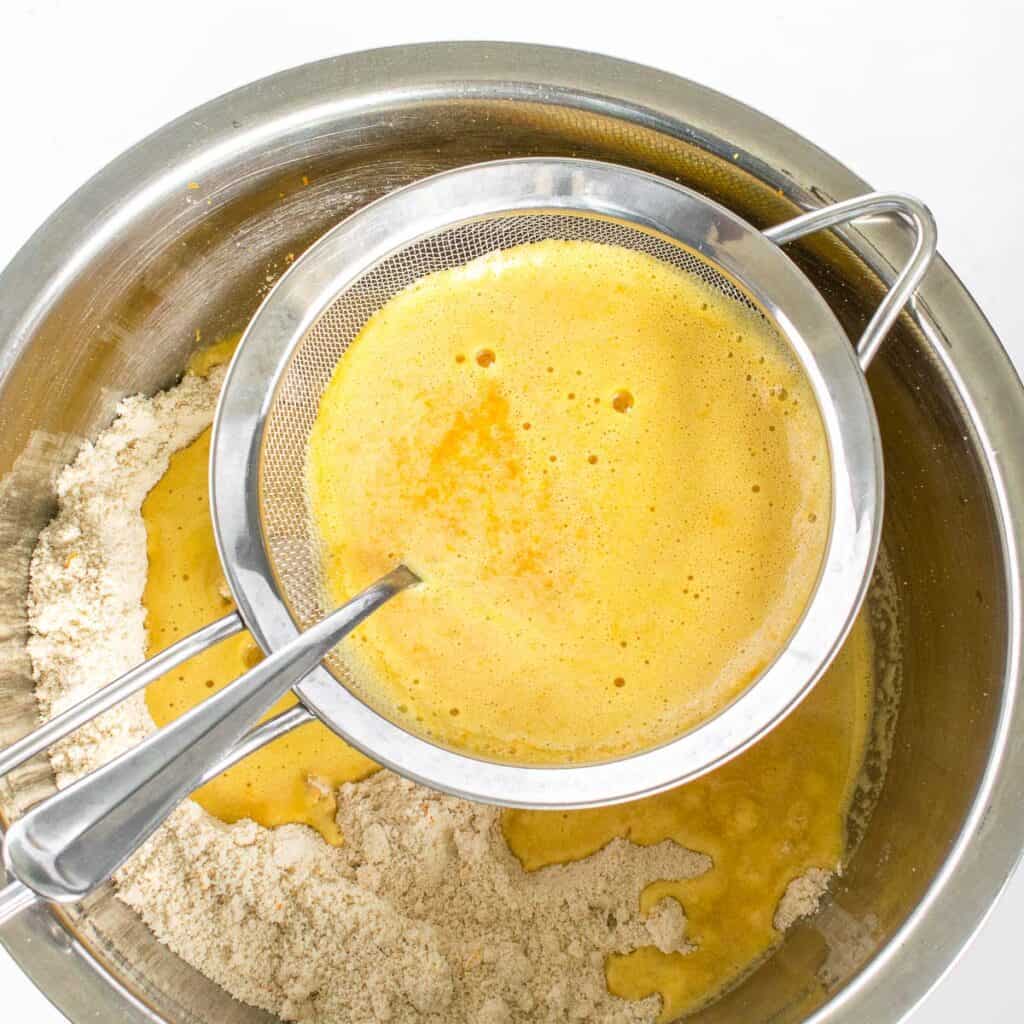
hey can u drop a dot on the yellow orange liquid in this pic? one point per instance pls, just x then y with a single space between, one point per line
612 481
764 818
292 780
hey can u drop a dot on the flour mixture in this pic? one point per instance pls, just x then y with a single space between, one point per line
388 902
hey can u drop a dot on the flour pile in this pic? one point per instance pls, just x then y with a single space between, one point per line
423 915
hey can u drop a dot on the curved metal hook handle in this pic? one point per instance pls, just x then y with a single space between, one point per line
874 203
69 844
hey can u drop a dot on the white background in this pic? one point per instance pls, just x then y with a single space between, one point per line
926 97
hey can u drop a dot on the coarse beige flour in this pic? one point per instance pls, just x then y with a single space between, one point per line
423 915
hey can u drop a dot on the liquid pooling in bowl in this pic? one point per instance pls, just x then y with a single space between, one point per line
762 821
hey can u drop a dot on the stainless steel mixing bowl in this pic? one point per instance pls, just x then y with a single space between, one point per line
105 299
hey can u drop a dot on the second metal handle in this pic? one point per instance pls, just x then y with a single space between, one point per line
874 203
113 693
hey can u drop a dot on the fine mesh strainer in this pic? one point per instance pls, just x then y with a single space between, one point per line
272 555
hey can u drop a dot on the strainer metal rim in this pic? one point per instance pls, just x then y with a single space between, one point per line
590 187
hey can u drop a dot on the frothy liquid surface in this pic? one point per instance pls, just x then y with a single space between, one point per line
613 481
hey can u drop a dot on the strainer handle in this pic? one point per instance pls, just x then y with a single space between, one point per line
72 842
909 277
113 693
16 897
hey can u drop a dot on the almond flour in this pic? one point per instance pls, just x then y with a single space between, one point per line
422 916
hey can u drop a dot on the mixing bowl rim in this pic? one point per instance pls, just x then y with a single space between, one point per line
979 863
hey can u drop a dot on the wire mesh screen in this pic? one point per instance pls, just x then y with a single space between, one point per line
291 537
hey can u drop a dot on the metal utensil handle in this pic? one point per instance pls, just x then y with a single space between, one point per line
909 277
72 842
16 896
113 693
263 734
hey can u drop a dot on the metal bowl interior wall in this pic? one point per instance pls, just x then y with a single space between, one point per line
104 301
